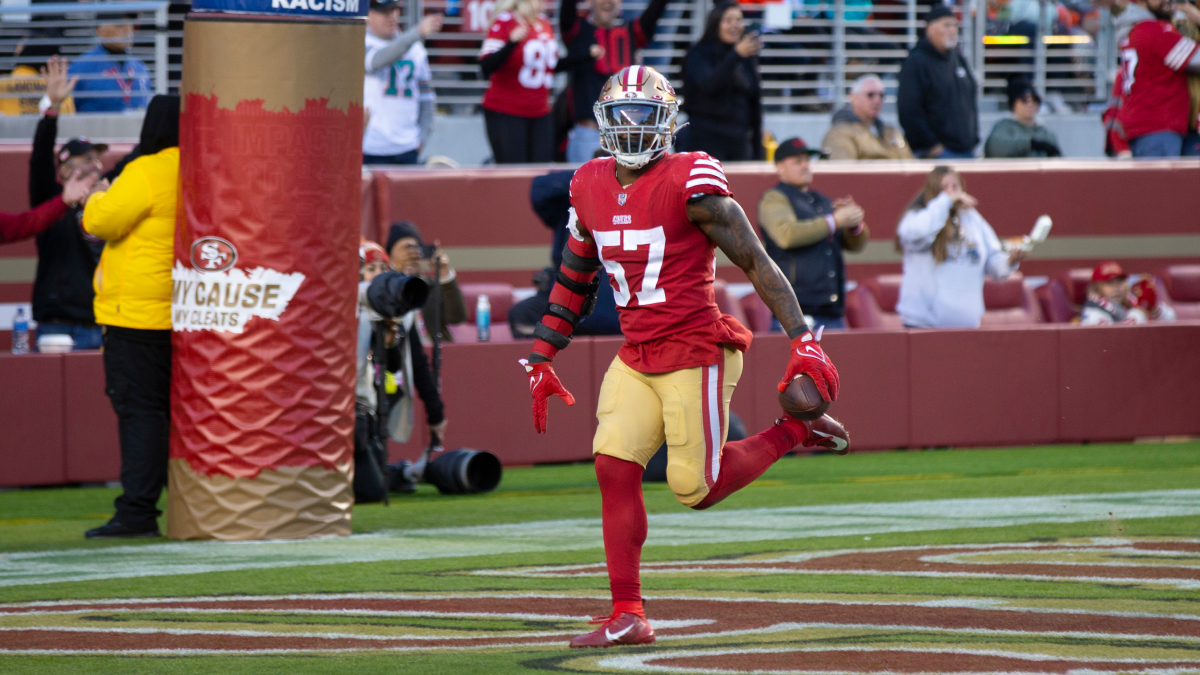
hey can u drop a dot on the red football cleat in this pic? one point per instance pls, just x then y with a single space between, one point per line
824 433
619 629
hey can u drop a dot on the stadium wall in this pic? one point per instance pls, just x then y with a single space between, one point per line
901 389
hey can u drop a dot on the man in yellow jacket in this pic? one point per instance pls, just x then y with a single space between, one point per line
136 216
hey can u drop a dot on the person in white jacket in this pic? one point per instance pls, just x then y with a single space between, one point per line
948 248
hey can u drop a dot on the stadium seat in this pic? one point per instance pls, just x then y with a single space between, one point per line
727 304
1056 305
1010 302
757 313
1182 283
872 305
500 297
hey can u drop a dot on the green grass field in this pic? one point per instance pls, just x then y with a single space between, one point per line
1048 559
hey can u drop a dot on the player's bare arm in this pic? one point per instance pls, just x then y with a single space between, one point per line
724 222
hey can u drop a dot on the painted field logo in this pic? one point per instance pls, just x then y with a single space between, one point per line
225 301
213 254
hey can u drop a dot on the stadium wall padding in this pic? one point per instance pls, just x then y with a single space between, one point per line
901 389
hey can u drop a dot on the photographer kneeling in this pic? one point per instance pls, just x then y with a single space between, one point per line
390 357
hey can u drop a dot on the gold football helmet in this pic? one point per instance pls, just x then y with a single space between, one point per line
637 114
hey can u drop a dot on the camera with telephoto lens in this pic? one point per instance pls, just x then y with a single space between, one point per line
393 294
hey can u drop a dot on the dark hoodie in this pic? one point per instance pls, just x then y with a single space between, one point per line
937 100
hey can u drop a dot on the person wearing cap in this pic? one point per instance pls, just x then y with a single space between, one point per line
110 79
24 89
805 233
406 251
1111 300
1021 135
67 256
937 97
858 132
397 96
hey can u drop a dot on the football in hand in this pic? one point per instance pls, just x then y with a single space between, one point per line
802 401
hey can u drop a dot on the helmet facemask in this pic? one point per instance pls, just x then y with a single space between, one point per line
636 131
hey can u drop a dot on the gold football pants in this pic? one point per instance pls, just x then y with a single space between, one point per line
689 409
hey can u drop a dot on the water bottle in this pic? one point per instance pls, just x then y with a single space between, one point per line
483 318
20 333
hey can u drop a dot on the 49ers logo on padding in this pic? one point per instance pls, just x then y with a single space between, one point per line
213 254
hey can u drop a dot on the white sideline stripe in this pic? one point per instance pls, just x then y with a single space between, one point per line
279 634
706 181
642 662
674 529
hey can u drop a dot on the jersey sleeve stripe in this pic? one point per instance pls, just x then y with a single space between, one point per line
700 171
709 162
490 45
1179 54
706 181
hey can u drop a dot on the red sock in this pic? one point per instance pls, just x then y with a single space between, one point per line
625 526
743 461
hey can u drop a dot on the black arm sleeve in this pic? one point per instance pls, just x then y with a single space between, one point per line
492 62
423 380
649 18
43 178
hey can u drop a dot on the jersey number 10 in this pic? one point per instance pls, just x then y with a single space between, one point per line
630 240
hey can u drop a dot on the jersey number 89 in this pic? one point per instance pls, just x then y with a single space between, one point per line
540 57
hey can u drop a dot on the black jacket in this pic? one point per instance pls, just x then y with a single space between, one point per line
62 290
937 100
817 272
722 94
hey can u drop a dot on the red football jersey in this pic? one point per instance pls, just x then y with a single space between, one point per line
660 265
1153 57
521 86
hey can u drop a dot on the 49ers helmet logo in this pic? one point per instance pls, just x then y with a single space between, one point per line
213 254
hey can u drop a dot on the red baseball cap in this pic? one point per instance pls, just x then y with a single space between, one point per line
369 252
1107 271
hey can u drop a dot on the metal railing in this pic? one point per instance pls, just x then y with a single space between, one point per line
26 30
805 68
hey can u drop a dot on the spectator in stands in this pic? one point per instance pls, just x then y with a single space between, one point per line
722 94
948 249
397 96
67 257
857 131
599 44
1188 25
110 80
408 253
136 216
1021 135
27 85
805 233
1110 300
1155 62
550 195
518 57
937 93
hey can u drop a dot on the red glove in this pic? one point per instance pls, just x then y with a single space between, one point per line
1145 294
543 384
807 358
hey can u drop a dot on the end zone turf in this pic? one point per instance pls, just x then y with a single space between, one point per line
1012 576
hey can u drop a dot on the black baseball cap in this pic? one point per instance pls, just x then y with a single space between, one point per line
387 6
796 146
78 146
939 12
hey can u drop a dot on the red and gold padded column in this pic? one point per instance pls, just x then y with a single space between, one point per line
265 278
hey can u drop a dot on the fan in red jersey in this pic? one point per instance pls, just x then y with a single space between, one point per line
519 55
654 221
1155 61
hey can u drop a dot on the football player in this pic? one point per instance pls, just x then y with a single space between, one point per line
653 220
